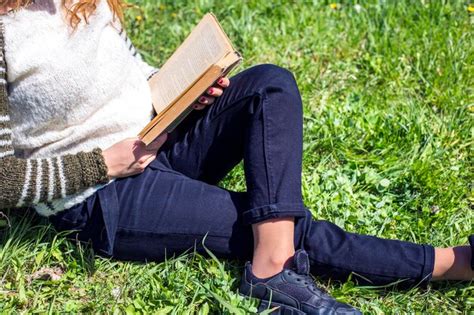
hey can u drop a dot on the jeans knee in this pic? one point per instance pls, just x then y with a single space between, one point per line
273 87
269 79
270 74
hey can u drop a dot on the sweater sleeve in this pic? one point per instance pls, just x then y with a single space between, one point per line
147 70
25 182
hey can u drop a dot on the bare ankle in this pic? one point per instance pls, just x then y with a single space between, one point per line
453 264
266 264
266 267
274 246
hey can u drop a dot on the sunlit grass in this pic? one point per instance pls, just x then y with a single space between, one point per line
389 106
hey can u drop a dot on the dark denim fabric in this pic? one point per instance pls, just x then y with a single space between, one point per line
175 203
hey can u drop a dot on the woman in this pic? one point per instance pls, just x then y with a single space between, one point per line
77 92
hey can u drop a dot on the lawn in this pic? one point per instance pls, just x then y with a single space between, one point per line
389 114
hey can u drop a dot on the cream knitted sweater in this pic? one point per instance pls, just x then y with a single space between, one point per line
71 91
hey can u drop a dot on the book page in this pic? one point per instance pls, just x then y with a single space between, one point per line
205 46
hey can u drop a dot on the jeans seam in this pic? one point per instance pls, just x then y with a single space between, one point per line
280 204
249 216
281 212
120 228
267 156
376 272
427 271
217 115
266 127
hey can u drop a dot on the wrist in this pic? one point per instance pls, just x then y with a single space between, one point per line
83 170
107 163
94 168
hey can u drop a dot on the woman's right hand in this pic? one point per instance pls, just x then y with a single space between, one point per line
131 156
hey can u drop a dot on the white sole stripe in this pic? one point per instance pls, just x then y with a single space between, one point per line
62 178
51 179
26 185
4 118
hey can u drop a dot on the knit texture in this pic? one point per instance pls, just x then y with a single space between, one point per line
78 94
72 91
24 182
41 177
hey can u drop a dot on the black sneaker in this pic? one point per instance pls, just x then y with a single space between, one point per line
292 291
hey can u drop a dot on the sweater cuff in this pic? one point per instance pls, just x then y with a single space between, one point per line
94 169
84 170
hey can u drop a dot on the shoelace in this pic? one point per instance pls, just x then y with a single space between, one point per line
307 280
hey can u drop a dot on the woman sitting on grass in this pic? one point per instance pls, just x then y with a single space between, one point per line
77 96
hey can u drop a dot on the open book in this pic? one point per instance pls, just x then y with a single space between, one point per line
204 56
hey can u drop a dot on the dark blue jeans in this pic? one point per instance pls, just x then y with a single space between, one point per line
176 203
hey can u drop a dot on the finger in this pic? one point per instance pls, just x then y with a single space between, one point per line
142 161
223 81
214 91
157 143
162 138
147 161
206 100
137 149
198 106
152 147
137 143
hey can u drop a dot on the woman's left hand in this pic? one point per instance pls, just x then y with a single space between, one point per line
210 96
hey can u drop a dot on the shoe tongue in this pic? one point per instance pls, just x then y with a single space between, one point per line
301 262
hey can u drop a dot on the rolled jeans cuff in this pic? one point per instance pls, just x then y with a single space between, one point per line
427 272
272 211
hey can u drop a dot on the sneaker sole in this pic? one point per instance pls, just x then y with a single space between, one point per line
282 308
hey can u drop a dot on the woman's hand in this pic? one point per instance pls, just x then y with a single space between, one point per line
131 156
214 91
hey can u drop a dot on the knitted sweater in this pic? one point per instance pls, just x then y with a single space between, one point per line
52 127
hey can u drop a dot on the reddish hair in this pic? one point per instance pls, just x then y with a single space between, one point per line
78 11
82 9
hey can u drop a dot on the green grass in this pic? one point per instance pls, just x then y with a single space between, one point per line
389 107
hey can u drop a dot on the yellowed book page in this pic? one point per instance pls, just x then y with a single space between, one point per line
171 116
205 46
174 112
